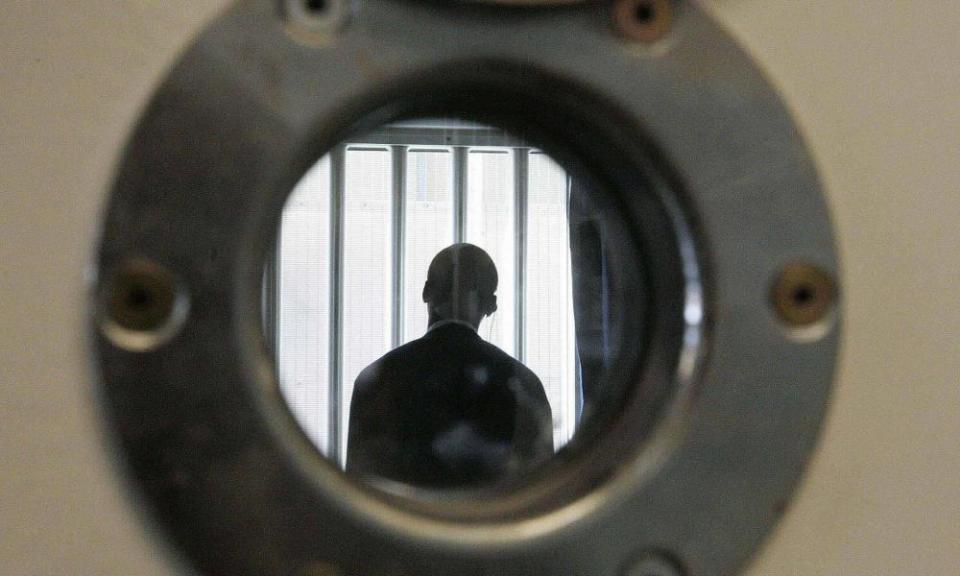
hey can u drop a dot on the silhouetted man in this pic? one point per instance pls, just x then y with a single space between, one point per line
448 409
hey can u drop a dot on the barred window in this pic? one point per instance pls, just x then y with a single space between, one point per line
355 240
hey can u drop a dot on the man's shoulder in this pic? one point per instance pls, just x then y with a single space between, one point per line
403 354
390 362
497 355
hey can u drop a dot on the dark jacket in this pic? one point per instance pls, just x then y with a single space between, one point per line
447 410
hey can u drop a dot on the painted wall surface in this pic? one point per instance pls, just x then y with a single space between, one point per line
74 75
875 88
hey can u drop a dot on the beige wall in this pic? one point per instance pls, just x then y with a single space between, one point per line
876 88
73 76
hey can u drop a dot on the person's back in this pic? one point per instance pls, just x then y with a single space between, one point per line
448 409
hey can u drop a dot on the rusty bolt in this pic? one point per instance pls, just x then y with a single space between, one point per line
654 564
802 294
643 21
142 296
142 305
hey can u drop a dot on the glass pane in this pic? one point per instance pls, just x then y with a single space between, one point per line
490 225
549 343
429 228
366 267
466 405
304 302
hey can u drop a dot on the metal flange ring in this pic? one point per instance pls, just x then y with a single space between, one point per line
709 170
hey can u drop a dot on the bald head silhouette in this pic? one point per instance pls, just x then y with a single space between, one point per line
461 285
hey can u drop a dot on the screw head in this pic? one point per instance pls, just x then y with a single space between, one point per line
315 22
142 296
654 564
803 294
644 21
142 305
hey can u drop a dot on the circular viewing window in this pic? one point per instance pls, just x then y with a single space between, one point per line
450 309
410 289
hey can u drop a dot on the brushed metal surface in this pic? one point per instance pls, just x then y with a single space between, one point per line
875 90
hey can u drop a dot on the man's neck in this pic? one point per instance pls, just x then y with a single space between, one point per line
447 321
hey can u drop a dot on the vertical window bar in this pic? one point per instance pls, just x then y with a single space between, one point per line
521 162
571 394
270 309
275 296
460 193
577 375
398 212
337 190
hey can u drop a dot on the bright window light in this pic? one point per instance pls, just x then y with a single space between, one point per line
512 202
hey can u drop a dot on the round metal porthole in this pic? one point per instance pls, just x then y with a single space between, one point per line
720 282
